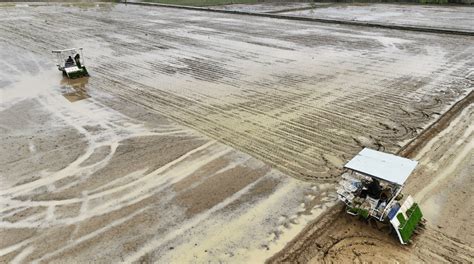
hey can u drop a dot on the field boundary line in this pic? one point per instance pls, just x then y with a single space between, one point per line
414 145
320 20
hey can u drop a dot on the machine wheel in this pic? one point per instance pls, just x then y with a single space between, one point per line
421 227
422 223
385 227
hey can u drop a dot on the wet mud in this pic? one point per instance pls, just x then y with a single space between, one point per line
87 176
440 184
75 89
201 136
301 100
443 17
270 7
131 188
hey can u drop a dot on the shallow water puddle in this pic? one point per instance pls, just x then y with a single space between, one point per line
75 89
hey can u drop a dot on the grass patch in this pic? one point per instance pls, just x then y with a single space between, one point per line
433 1
202 2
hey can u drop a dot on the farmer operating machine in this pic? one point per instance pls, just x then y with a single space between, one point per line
71 62
371 188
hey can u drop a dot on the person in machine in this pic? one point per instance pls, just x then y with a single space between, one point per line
374 189
69 62
77 59
370 188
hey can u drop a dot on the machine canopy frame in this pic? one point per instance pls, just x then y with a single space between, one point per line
384 166
61 56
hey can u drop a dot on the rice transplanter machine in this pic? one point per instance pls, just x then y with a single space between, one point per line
371 187
71 62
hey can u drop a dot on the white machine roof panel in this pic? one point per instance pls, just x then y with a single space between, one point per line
382 165
67 50
72 69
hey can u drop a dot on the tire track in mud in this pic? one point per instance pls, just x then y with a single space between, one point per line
106 210
210 73
435 246
411 149
337 237
305 118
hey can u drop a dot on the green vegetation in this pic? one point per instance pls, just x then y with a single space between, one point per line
359 211
203 2
433 1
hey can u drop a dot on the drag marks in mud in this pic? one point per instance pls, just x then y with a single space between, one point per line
304 104
136 189
306 123
434 246
302 98
338 237
440 184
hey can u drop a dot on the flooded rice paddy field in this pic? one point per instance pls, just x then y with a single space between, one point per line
303 97
452 17
269 7
199 136
445 17
89 177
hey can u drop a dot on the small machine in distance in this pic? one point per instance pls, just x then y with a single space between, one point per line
71 62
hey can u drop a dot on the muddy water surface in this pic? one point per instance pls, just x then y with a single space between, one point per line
87 176
123 174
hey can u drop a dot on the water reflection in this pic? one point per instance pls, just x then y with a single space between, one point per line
75 89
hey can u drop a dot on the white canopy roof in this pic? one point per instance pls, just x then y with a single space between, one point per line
67 50
382 165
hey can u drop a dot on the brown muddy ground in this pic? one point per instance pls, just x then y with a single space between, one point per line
442 184
180 145
303 97
87 177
